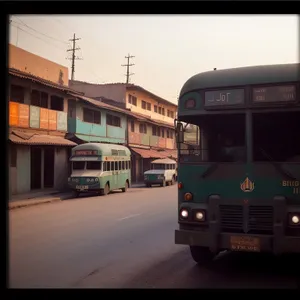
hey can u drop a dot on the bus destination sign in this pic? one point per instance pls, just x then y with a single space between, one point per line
85 152
274 94
224 97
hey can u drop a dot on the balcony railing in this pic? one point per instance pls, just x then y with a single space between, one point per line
29 116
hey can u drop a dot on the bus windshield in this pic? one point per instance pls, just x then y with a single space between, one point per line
93 165
222 138
158 166
78 165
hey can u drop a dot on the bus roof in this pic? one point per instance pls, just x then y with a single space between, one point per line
105 149
243 76
164 161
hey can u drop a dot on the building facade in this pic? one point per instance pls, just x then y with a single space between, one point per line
92 121
150 118
38 150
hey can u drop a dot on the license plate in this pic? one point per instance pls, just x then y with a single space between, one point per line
245 243
81 187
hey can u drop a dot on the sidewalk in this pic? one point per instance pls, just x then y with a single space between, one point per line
36 198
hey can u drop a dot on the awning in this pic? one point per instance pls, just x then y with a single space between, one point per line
171 153
38 139
148 153
94 139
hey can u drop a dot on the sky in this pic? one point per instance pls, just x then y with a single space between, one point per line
168 49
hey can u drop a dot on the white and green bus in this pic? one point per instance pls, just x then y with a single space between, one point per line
100 168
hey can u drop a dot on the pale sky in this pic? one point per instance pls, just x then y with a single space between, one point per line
168 49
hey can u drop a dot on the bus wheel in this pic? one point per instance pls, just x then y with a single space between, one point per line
75 194
105 191
201 255
125 188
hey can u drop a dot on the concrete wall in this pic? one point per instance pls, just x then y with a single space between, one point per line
61 168
111 91
23 169
25 61
155 116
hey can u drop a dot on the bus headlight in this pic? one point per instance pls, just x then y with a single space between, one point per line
88 180
184 213
96 179
160 176
75 179
200 215
295 219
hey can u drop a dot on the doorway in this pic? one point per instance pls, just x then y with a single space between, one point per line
49 167
35 167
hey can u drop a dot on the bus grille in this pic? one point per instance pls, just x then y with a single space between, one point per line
261 219
240 219
231 218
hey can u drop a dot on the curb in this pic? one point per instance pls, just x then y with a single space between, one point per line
33 202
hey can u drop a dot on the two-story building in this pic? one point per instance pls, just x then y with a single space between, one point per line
150 124
38 96
90 120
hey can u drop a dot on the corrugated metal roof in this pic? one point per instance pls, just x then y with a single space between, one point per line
24 75
39 139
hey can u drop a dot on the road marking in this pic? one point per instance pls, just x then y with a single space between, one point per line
128 217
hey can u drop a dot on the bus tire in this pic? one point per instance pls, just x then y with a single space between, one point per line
124 189
105 191
75 194
201 255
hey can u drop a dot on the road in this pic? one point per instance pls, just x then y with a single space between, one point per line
124 240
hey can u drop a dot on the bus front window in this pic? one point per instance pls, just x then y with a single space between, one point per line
78 165
93 165
219 138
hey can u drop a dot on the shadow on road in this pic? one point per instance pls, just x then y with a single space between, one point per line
229 270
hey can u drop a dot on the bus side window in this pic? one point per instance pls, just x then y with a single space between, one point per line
123 165
116 166
107 166
112 166
173 166
104 166
120 166
129 165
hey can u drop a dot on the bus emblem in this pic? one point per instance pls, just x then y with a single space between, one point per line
247 185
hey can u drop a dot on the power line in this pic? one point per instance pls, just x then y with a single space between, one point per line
73 58
37 37
48 36
128 65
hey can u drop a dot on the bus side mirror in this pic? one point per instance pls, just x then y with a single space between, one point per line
179 133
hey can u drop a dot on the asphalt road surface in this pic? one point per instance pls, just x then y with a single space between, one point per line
125 240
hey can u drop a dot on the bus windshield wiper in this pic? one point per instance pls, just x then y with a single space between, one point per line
277 166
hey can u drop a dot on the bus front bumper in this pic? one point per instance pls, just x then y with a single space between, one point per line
238 242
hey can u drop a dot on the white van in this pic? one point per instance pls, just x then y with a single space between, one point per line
163 172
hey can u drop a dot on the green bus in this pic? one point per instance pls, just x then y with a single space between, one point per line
100 168
239 178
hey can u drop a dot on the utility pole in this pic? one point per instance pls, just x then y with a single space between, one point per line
127 67
73 49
